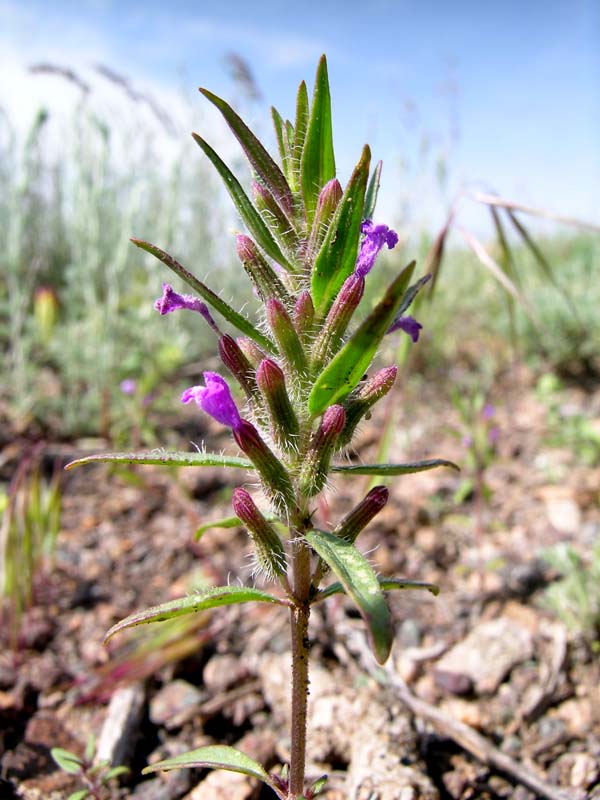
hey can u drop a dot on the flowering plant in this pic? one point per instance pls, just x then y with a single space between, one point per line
307 386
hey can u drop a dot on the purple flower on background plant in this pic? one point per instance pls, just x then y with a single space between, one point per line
376 236
172 301
407 324
214 398
493 434
488 411
128 386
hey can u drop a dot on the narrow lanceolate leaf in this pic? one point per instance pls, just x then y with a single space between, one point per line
226 522
214 757
230 314
337 257
66 760
360 583
372 191
385 584
282 144
166 459
395 469
252 219
300 128
349 365
80 794
200 601
258 157
318 162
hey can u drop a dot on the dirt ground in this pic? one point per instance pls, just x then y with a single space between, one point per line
485 653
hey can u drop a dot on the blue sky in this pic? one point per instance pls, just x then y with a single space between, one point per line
503 93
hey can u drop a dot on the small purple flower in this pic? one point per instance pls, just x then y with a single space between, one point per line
128 386
172 301
488 411
376 236
214 398
407 324
493 434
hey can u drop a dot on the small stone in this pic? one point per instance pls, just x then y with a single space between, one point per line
175 704
453 682
561 509
118 734
487 654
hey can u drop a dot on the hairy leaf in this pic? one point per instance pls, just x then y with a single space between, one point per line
385 584
360 583
200 601
230 314
253 220
318 161
166 459
395 469
214 757
336 259
372 191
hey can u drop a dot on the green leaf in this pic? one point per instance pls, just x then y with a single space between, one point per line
318 161
360 583
385 584
214 757
199 601
67 761
348 366
90 747
226 522
300 129
240 322
80 794
372 192
411 293
258 157
337 257
166 459
278 124
115 772
252 219
395 469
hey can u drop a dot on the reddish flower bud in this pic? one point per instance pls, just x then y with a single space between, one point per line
275 478
315 468
239 366
328 201
270 553
275 217
363 398
360 516
330 338
264 278
284 422
251 350
304 314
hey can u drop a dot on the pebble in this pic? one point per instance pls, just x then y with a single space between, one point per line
120 728
175 704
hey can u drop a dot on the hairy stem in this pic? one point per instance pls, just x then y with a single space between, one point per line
299 617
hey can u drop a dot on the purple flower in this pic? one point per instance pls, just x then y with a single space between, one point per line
172 301
128 386
375 238
488 411
407 324
214 398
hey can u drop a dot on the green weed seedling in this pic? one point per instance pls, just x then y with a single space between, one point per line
99 780
575 597
305 370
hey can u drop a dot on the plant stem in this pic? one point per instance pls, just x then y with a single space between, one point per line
299 617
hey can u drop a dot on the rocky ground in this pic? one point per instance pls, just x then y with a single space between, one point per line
487 694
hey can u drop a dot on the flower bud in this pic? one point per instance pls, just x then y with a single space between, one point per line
264 278
328 201
304 315
363 398
330 338
251 350
270 553
275 217
360 516
284 422
274 475
239 366
315 468
286 337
